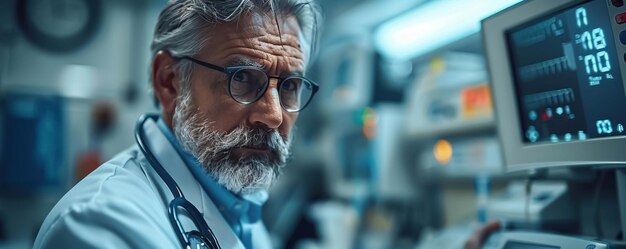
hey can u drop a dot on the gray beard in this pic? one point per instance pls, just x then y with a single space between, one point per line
213 149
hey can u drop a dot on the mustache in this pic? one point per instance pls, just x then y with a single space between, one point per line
257 138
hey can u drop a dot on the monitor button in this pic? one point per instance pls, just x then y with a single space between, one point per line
620 18
617 3
622 37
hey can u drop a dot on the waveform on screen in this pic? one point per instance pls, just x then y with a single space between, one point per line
550 98
539 32
561 64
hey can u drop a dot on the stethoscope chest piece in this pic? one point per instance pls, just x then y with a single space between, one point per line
197 241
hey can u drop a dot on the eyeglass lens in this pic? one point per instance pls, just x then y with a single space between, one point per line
247 85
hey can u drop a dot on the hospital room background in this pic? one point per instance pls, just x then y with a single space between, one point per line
399 149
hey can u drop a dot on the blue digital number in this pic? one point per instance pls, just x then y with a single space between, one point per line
604 126
581 17
599 42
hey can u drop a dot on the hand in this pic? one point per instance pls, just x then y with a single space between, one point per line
480 235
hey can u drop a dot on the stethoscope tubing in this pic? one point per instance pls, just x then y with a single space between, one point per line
179 200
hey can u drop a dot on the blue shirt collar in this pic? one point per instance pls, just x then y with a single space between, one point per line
235 209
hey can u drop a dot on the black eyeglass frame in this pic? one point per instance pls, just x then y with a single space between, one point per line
230 72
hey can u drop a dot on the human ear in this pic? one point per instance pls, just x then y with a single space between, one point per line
166 83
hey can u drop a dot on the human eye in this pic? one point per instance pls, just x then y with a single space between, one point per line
243 76
247 84
291 85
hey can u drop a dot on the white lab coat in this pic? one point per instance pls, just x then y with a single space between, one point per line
123 203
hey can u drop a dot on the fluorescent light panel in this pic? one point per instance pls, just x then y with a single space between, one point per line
433 25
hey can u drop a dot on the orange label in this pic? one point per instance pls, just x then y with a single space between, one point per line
476 101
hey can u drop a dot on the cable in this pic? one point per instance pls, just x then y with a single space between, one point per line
596 206
528 190
535 174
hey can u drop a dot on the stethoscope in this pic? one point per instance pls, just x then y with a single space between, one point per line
190 240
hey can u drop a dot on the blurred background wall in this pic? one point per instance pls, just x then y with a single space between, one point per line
398 146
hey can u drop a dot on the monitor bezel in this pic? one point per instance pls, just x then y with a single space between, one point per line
519 155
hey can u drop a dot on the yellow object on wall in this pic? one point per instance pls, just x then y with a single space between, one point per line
443 151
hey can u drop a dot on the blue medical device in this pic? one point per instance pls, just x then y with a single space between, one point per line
33 145
197 239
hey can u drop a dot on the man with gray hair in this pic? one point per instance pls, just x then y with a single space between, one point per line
229 78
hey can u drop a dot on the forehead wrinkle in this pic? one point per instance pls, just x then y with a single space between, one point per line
257 54
288 47
294 67
262 30
258 39
289 44
263 59
244 61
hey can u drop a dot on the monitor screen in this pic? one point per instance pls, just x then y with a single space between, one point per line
557 72
566 76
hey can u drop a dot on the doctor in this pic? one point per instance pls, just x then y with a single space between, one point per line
229 79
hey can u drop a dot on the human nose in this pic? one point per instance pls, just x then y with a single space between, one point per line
267 111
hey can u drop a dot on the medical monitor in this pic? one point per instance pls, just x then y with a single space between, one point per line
557 71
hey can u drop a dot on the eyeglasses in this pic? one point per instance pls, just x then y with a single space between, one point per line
247 84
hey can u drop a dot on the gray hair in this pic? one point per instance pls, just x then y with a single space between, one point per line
180 26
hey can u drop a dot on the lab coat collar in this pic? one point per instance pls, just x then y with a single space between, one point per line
166 154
